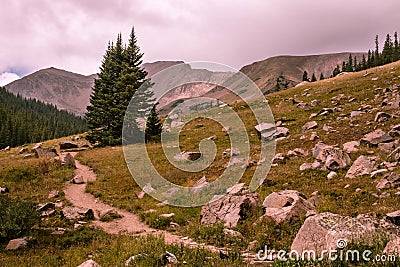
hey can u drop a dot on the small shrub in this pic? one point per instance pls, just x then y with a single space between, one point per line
16 217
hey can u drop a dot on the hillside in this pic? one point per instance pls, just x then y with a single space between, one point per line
66 90
345 109
27 121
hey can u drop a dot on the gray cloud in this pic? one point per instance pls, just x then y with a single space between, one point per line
73 34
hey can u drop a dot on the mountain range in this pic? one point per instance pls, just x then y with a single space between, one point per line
71 91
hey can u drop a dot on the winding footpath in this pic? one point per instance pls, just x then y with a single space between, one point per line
129 223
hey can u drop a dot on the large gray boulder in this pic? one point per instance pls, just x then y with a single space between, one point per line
69 160
76 213
231 208
325 231
363 165
45 152
376 137
286 205
68 145
332 158
266 131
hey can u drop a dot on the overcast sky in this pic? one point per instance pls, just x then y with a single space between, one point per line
73 34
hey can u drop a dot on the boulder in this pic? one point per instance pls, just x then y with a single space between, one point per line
309 126
387 148
279 158
362 166
313 166
314 136
315 103
68 145
69 160
266 131
281 132
389 181
332 175
376 137
382 117
231 208
53 194
45 152
394 217
331 157
392 247
89 263
328 231
286 205
23 150
76 213
192 156
15 244
350 147
395 131
78 179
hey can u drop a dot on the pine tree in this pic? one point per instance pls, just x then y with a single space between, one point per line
313 78
369 60
377 60
336 71
396 48
321 77
119 78
305 77
153 126
363 63
387 52
350 64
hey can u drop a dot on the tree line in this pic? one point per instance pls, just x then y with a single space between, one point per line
390 53
25 121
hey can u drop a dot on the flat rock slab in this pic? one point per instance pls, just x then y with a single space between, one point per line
15 244
376 137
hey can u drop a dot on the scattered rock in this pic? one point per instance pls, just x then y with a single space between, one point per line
89 263
375 173
231 208
356 113
76 213
15 244
69 160
350 147
392 247
286 205
45 152
279 158
232 232
107 212
387 148
78 179
332 175
27 156
281 132
231 152
309 126
391 180
325 231
315 103
23 150
332 158
328 128
266 131
362 166
394 217
168 258
167 215
395 131
314 136
382 116
141 194
53 194
313 166
192 156
68 145
376 137
4 190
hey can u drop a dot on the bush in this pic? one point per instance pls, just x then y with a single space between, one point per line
16 217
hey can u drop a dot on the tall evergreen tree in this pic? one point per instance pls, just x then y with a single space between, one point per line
305 77
377 60
336 71
364 63
321 77
119 78
387 52
396 48
153 126
313 78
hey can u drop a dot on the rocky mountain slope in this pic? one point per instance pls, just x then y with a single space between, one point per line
71 91
68 91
